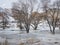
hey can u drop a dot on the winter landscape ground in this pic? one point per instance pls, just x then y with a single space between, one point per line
29 22
42 36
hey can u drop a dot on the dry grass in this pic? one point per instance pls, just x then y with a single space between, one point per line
21 44
30 41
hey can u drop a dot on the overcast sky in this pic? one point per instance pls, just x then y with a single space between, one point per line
6 3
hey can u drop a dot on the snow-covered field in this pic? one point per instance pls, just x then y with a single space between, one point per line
41 36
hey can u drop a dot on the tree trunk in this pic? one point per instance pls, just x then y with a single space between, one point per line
35 27
49 25
3 25
50 28
53 30
27 28
20 26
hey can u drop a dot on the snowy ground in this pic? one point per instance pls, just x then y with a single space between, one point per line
42 36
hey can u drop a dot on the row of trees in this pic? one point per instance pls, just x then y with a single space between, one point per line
23 11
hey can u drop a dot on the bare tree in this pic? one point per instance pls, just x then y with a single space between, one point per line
45 6
17 14
4 21
52 14
24 10
36 18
